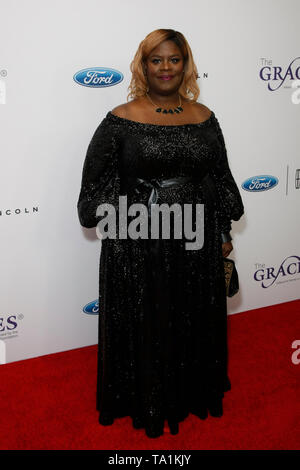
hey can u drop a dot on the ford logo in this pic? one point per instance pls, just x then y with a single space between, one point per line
260 183
92 308
98 77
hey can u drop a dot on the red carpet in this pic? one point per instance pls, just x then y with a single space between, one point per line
49 402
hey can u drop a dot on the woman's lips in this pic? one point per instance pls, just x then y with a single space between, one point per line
166 77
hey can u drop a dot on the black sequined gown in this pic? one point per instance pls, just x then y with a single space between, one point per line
162 311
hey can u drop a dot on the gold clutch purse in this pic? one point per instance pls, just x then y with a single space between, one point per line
231 277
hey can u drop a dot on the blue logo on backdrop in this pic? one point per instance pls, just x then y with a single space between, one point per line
260 183
98 77
92 308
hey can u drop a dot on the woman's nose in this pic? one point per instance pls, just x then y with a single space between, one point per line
165 65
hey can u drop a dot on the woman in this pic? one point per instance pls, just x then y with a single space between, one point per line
162 308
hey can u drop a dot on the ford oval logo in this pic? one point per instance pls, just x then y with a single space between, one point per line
260 183
98 77
92 308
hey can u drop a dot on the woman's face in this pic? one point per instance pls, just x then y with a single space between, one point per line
164 68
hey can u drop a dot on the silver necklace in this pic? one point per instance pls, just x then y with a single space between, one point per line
159 109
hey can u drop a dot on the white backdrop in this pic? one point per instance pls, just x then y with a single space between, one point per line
49 263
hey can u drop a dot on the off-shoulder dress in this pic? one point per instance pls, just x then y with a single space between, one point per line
162 308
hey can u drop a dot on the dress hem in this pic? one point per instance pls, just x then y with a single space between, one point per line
214 408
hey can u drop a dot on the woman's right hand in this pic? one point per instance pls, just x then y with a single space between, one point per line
226 248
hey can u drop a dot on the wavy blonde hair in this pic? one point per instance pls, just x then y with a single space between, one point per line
138 86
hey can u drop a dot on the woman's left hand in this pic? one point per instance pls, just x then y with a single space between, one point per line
226 248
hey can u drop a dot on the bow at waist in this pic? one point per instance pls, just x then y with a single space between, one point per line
136 184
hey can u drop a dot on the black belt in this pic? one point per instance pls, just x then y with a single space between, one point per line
135 184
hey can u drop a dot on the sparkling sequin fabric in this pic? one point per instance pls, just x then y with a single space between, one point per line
162 309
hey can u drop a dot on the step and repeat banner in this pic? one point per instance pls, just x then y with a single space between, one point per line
52 100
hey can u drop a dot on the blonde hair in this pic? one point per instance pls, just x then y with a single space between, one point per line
138 86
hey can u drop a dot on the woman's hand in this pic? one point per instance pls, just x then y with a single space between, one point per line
226 248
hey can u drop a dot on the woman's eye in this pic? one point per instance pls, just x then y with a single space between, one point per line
175 61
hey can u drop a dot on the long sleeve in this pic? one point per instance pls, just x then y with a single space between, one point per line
100 177
230 204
